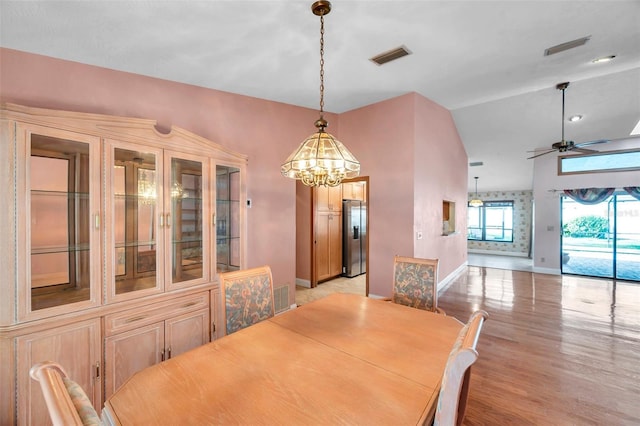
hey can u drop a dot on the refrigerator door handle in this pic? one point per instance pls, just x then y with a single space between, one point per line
356 232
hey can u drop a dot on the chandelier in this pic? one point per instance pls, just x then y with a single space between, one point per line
476 201
321 159
147 187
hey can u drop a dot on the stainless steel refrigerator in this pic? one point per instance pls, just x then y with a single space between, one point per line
354 238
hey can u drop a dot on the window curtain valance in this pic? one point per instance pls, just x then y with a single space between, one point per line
589 195
634 191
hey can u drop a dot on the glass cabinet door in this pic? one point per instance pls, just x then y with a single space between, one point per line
62 178
227 218
185 213
134 238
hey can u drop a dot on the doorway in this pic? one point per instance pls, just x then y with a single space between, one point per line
327 234
601 240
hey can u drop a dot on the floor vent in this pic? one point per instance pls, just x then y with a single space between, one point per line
281 298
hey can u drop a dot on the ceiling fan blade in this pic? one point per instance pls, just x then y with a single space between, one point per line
596 142
542 153
585 150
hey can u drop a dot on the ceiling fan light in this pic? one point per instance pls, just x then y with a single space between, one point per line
603 59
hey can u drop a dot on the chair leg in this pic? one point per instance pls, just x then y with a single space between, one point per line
464 393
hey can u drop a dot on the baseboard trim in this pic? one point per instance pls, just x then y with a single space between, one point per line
548 271
303 283
499 253
445 283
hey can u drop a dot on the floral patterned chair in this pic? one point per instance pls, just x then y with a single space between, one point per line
248 297
454 388
415 283
66 401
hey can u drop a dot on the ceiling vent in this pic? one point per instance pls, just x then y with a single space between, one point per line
476 164
566 46
390 55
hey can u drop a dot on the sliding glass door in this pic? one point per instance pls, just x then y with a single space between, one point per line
603 239
627 237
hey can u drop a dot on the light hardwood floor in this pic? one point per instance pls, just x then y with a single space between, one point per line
556 350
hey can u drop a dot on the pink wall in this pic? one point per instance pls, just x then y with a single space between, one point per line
440 174
265 131
411 150
385 137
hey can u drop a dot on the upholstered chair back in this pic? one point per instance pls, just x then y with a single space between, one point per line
248 297
415 282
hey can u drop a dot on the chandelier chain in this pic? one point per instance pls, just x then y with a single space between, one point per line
563 115
321 63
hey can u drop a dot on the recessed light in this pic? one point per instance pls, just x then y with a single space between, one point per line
603 59
575 118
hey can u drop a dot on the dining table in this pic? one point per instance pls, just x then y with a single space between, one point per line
342 359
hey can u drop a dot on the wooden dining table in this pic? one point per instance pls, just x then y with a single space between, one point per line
342 359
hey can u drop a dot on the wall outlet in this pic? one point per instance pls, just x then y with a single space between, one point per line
542 259
419 235
248 203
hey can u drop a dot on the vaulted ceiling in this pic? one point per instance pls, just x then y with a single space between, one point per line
483 60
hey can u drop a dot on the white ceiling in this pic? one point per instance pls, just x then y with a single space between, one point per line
483 60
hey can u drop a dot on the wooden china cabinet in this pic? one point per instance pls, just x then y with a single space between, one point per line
112 237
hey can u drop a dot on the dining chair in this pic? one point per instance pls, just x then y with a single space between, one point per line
248 297
454 389
66 401
415 283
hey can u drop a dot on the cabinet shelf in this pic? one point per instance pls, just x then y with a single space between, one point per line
59 249
223 239
146 199
37 193
136 244
187 241
182 199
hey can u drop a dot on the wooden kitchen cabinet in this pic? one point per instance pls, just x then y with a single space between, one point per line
353 191
327 203
328 245
112 247
328 198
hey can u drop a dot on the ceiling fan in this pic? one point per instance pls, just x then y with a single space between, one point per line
565 145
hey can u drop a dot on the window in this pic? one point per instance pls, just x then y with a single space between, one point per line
493 221
600 162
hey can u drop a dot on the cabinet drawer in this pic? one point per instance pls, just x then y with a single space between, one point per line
138 317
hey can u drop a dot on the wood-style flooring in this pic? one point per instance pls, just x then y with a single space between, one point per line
556 350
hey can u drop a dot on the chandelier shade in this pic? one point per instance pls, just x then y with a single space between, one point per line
321 159
476 201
